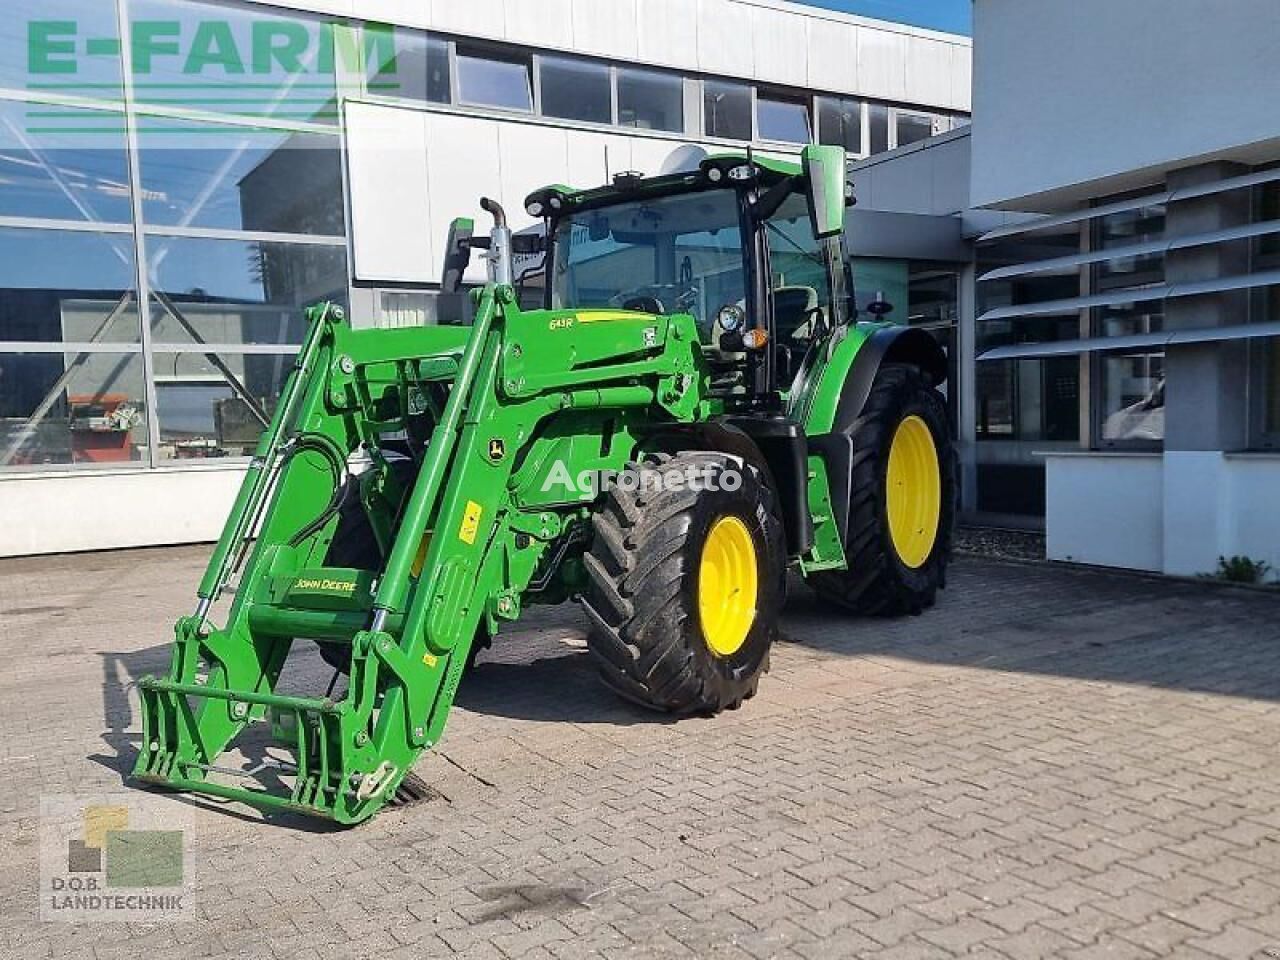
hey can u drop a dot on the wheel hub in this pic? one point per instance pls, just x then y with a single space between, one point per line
914 491
728 584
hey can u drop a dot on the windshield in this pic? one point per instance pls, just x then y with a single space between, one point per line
676 254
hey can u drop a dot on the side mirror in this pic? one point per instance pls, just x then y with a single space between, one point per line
457 254
824 168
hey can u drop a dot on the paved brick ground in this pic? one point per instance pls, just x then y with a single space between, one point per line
1053 763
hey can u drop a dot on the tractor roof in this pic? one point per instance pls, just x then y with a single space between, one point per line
627 186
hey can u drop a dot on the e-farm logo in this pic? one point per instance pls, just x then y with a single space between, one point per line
220 65
114 858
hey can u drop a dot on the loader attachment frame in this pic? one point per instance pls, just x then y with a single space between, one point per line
463 543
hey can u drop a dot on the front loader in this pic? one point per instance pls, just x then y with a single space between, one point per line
691 413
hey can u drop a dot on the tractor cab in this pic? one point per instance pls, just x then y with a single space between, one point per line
749 247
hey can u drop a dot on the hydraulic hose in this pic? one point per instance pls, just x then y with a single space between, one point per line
336 460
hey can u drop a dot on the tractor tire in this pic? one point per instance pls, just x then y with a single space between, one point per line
684 592
903 500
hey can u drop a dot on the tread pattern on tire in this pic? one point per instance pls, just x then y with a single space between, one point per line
875 584
636 602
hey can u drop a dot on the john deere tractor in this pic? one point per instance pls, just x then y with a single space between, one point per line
692 412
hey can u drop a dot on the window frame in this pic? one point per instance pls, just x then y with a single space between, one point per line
1258 370
494 54
864 133
775 95
611 78
1092 318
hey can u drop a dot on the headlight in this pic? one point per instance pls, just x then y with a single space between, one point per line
714 174
731 317
555 203
534 209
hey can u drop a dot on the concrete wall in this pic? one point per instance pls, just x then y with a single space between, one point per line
930 177
1105 509
105 509
1173 513
767 40
1066 93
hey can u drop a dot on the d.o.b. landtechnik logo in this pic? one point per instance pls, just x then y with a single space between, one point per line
114 858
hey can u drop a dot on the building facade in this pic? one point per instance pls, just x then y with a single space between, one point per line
1117 206
169 204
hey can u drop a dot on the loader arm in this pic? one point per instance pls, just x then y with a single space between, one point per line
522 392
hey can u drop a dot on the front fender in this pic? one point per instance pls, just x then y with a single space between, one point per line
835 388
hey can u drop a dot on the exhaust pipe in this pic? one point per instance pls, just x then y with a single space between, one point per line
499 255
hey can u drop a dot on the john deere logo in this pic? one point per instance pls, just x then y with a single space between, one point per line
325 585
497 449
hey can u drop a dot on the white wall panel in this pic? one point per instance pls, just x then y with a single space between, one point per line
667 32
1253 520
606 29
882 63
387 167
405 13
540 23
928 76
780 42
1105 509
1136 86
530 157
462 166
724 38
833 56
962 78
148 508
588 164
479 18
648 156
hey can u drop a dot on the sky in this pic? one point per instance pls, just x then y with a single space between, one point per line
955 16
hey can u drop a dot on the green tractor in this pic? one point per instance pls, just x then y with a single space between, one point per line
691 413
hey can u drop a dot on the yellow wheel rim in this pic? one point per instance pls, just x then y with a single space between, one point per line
728 584
914 491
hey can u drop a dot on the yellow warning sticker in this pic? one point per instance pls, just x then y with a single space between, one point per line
470 522
430 659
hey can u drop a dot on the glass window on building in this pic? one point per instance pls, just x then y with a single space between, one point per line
71 408
726 109
44 48
574 89
1031 400
241 178
912 127
494 79
1264 368
1130 387
840 123
251 62
1132 397
878 128
63 164
1270 351
407 64
650 100
63 285
782 118
239 291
